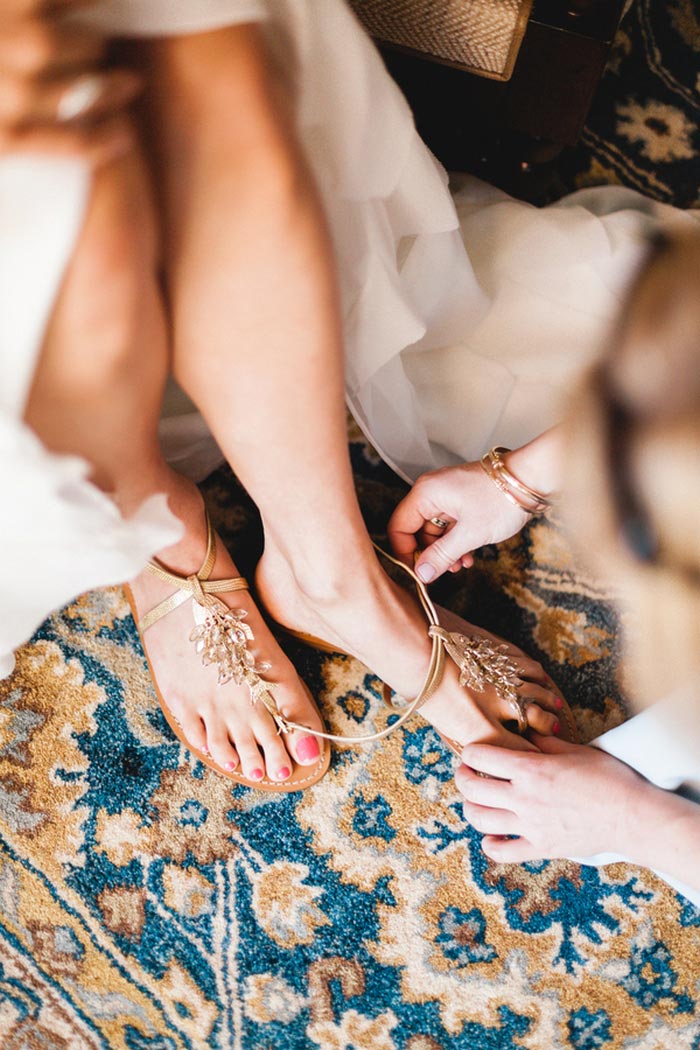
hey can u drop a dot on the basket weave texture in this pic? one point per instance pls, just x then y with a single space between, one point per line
483 36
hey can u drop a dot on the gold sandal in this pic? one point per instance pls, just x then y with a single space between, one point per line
481 661
221 637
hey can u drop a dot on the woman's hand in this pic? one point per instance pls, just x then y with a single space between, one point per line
476 510
566 801
55 97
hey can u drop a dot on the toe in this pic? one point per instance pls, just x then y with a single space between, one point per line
219 745
192 728
252 762
305 747
298 706
278 764
541 721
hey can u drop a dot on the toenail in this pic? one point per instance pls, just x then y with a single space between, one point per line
230 765
283 773
256 774
558 702
307 749
556 728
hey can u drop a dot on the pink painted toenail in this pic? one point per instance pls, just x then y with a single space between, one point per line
556 728
558 702
256 774
307 749
230 765
283 773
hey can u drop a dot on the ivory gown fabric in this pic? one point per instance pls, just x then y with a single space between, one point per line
464 326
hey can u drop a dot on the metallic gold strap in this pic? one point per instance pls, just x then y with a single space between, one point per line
198 586
431 682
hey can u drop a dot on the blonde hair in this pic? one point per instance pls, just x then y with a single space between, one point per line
634 468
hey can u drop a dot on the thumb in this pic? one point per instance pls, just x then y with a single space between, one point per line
441 554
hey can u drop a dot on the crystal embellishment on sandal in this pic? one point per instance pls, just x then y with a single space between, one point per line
222 639
481 663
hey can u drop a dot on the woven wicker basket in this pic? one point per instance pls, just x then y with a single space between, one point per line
481 36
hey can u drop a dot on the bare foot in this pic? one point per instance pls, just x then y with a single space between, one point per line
380 624
220 721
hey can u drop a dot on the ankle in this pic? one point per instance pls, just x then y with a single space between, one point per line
330 581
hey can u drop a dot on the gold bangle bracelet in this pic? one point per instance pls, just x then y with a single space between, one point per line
520 494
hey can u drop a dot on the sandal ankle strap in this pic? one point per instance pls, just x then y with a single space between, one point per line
197 586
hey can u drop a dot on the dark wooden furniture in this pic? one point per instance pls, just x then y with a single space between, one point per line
511 133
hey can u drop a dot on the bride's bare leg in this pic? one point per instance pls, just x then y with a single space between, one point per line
97 393
259 348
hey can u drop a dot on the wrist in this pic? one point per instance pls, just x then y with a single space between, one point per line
538 463
667 827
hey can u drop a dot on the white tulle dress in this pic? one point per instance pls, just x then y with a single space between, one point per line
464 326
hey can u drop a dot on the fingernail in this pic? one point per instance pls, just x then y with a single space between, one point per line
256 774
283 773
425 572
230 765
558 703
556 727
308 749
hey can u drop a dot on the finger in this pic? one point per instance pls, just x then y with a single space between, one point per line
509 851
495 761
95 146
484 791
552 745
431 531
467 561
457 567
490 821
38 49
404 525
68 100
509 739
442 553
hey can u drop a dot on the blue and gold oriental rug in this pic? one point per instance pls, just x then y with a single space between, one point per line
146 904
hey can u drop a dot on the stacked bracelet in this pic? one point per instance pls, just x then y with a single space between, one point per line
512 488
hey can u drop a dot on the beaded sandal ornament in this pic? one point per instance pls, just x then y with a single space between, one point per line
222 637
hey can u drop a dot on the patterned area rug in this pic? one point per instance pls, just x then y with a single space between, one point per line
643 130
148 905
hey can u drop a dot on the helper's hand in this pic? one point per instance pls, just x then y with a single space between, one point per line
566 801
55 97
464 496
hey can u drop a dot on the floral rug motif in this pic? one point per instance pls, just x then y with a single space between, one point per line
148 904
643 129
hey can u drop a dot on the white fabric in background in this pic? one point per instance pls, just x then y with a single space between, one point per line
663 744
